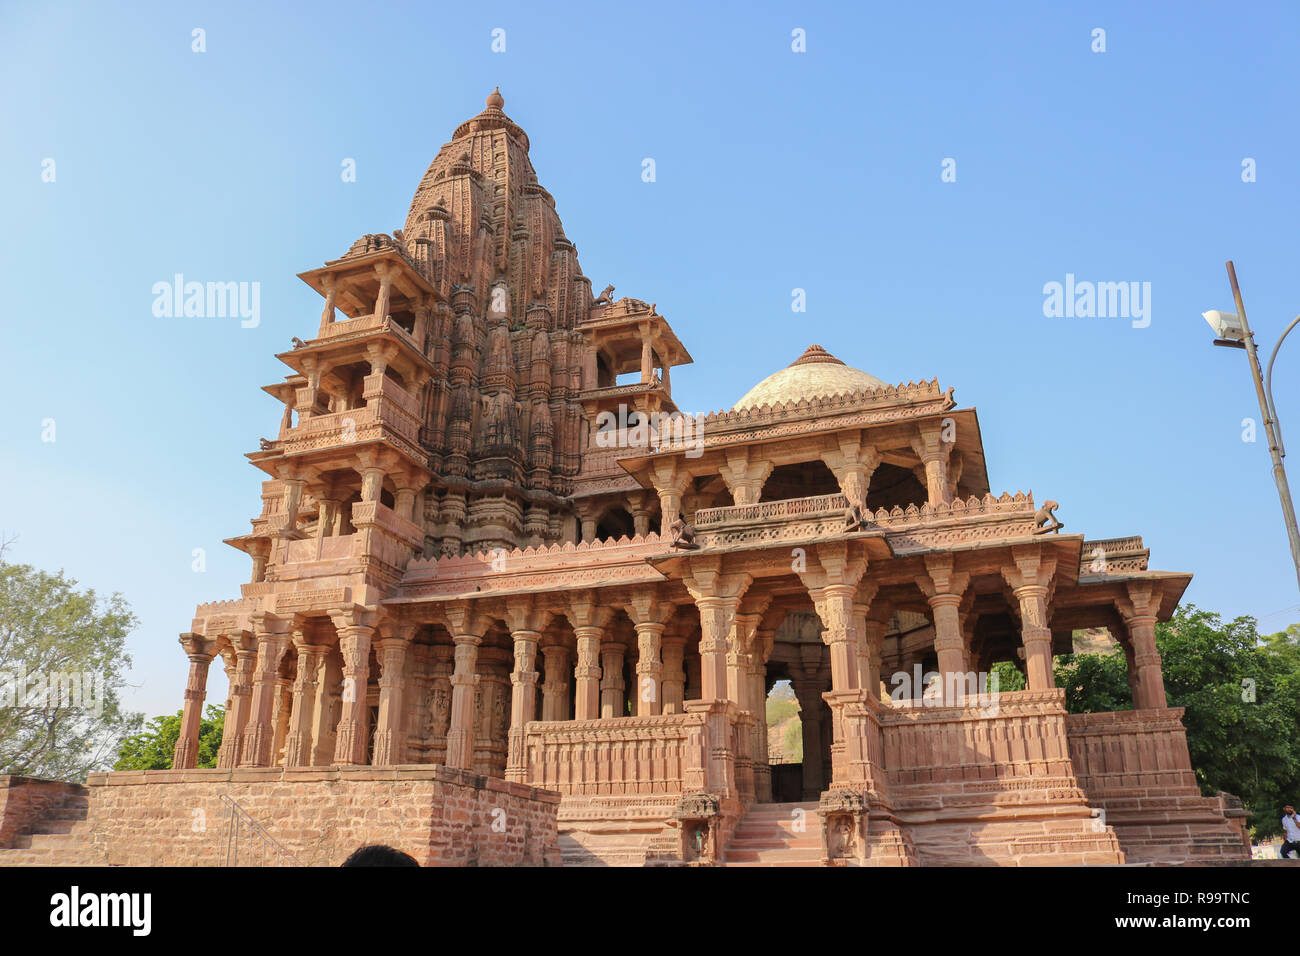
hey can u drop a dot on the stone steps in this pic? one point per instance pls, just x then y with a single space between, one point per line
774 834
60 838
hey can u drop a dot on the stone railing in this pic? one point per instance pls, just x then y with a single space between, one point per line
617 756
819 505
371 513
1110 555
320 549
362 324
1014 734
916 527
1128 750
545 568
380 386
390 414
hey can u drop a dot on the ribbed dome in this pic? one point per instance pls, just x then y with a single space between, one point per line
815 374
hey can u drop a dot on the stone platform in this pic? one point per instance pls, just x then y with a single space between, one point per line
294 816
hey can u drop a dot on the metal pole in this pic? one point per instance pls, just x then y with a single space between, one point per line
1279 472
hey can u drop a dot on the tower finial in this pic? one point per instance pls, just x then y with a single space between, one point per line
495 100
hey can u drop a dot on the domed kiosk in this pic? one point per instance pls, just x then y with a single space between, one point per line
815 374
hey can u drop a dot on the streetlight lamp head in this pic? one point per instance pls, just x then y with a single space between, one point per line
1226 325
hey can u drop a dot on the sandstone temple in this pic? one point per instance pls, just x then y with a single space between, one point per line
499 577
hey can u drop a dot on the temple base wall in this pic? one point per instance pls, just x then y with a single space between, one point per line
441 817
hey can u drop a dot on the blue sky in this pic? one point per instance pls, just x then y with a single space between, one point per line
775 170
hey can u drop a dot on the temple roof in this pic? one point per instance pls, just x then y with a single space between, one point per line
815 374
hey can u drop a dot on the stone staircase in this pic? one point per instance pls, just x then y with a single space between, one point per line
59 838
775 834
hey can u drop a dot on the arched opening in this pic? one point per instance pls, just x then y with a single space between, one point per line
804 479
892 485
614 524
784 737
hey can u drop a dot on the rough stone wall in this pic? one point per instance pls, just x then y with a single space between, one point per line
441 817
26 800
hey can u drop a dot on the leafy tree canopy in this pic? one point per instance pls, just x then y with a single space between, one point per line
63 664
154 748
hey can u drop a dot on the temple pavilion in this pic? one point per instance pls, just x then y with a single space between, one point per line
489 539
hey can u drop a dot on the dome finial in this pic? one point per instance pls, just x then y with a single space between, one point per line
495 100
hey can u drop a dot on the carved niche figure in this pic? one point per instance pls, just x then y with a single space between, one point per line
1045 519
500 719
606 296
439 711
843 837
683 535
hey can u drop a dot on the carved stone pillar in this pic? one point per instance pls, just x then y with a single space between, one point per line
352 738
647 357
390 734
670 483
586 673
853 464
944 588
612 687
241 693
283 714
834 604
933 452
649 669
875 644
256 750
674 690
460 735
199 650
384 271
555 689
372 482
1030 579
329 702
327 313
523 700
588 619
745 477
298 745
1140 609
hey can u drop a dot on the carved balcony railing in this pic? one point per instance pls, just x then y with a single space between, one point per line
362 325
916 527
1111 555
1115 752
1024 731
388 417
320 549
374 514
816 506
617 757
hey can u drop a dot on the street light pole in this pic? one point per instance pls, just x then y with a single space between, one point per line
1270 422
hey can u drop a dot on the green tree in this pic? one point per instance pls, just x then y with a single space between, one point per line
1008 677
154 748
1242 699
63 664
1094 682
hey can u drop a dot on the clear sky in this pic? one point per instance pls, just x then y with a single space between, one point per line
774 170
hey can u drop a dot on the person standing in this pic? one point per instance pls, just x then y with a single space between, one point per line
1290 831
